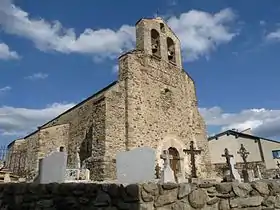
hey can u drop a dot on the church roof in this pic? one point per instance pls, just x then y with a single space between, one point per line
239 134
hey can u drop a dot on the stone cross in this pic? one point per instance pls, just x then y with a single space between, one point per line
228 156
167 175
192 151
166 157
244 155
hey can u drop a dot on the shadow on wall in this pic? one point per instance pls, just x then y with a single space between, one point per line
92 149
69 196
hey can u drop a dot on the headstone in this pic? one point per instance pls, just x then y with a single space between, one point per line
235 173
136 166
7 178
259 172
167 175
251 175
53 168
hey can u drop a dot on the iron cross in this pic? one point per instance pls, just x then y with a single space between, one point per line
228 156
192 151
244 154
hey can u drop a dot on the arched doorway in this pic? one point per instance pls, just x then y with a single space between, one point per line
174 161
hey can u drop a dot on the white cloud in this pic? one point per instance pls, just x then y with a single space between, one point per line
5 89
263 122
6 53
200 33
20 121
275 35
37 76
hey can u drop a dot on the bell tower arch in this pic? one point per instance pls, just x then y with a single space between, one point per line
154 37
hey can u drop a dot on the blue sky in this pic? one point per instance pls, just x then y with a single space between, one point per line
54 54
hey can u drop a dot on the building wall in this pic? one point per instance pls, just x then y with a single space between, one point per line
233 144
16 157
268 147
52 138
161 102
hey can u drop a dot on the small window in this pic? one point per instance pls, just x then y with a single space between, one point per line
276 154
155 41
162 28
171 50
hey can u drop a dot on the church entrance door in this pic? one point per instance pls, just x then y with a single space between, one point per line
174 161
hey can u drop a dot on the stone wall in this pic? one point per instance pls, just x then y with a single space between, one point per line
262 195
162 108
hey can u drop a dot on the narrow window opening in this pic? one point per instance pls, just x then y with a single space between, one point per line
171 50
162 28
155 41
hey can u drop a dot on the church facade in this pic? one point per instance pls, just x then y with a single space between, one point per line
153 103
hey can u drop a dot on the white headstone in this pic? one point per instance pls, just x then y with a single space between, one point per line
251 175
235 173
7 178
136 166
259 172
167 175
53 168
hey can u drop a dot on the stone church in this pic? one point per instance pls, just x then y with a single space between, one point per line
153 103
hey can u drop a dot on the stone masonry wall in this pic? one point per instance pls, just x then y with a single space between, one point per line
162 102
261 195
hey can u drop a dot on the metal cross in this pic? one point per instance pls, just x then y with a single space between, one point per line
244 154
228 156
192 151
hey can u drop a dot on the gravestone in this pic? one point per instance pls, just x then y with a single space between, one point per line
136 166
235 173
259 172
167 175
52 168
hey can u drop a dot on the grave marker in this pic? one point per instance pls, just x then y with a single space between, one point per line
136 166
244 155
52 168
193 152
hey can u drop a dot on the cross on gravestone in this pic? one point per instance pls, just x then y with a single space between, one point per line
244 155
228 156
166 157
167 175
192 151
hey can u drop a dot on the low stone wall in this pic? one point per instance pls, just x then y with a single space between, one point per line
261 195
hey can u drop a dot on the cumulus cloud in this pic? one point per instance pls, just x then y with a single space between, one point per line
274 35
37 76
263 122
200 32
20 121
6 53
5 89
